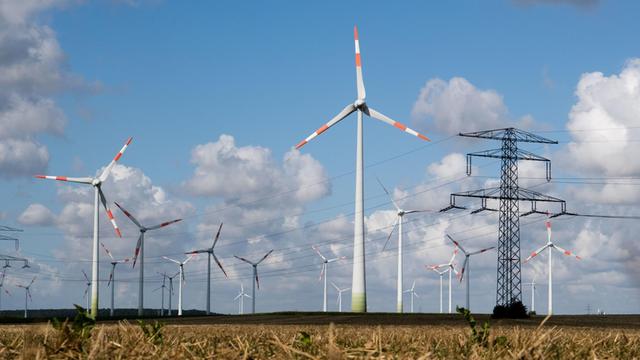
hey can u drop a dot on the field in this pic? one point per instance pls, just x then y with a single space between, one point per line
332 336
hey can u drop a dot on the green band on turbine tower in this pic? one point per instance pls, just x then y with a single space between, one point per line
359 302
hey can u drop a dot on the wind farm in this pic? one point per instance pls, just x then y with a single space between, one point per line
341 249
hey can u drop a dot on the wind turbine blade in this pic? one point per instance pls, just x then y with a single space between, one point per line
86 291
565 252
395 224
215 240
29 293
318 252
128 214
464 267
456 244
455 252
237 297
257 280
103 199
81 180
243 259
107 251
265 256
137 250
413 286
85 276
362 94
417 211
481 251
324 265
32 281
548 224
219 265
188 259
335 286
108 282
376 115
388 194
107 170
535 253
170 259
343 114
164 224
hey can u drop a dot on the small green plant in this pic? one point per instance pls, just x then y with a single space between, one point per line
74 333
153 332
303 340
478 336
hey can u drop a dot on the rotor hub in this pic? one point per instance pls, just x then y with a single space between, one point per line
359 104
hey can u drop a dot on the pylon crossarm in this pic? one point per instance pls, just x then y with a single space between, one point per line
509 133
495 194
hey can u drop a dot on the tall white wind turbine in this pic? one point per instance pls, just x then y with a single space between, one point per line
86 289
451 268
339 299
398 223
441 273
466 266
533 294
550 245
255 276
240 298
324 273
358 293
171 292
27 293
112 277
181 272
140 252
96 182
412 292
210 253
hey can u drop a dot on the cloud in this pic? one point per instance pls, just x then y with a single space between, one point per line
577 3
33 68
226 170
37 215
457 105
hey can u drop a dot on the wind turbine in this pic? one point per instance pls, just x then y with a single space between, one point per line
210 253
27 292
412 292
171 289
96 182
255 276
86 290
441 273
2 288
550 245
140 251
340 291
358 294
112 277
450 267
533 294
398 223
466 265
240 297
162 287
324 273
181 272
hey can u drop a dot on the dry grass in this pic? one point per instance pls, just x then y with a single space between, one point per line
125 340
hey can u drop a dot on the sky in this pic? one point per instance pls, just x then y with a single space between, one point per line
217 94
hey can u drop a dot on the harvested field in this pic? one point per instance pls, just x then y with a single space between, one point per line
203 338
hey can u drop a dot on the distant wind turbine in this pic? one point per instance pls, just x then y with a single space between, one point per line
255 276
324 273
181 272
441 273
412 292
550 245
112 277
466 266
210 253
86 290
358 293
533 294
398 223
2 287
451 268
27 293
240 298
96 182
140 251
339 299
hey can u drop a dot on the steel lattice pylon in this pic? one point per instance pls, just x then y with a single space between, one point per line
509 194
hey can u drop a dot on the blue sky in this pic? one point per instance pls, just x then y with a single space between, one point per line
176 76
